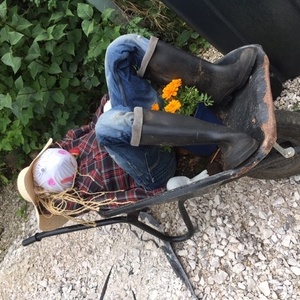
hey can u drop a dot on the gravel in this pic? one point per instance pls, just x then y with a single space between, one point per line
245 247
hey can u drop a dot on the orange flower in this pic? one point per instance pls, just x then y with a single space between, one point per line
173 106
171 89
155 106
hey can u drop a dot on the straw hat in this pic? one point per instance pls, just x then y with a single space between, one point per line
26 189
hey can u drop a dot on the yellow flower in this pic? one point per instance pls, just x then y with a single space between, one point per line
155 106
171 89
173 106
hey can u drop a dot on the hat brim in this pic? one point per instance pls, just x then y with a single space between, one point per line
26 189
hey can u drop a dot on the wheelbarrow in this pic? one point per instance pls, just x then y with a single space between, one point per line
251 110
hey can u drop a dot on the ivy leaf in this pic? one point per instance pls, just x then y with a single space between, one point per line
87 26
5 101
4 34
22 100
19 83
19 22
35 68
54 69
51 80
68 48
97 47
64 83
95 81
58 31
15 37
42 36
107 14
33 52
58 97
50 46
14 62
84 11
3 9
56 17
5 120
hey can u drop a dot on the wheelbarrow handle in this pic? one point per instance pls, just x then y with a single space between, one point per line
32 239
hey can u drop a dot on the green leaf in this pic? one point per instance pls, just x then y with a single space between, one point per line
4 34
59 97
14 62
19 83
25 116
50 46
3 10
33 52
42 36
56 17
74 82
54 68
87 26
75 36
43 82
84 11
73 67
58 31
15 37
97 47
22 100
68 48
5 101
36 30
88 84
95 81
107 14
51 80
5 120
64 83
20 23
35 68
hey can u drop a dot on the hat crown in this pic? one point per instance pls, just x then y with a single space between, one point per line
55 170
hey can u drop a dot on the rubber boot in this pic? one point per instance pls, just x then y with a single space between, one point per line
163 62
161 128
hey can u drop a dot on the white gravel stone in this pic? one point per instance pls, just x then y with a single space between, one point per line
265 289
296 270
219 253
238 268
220 277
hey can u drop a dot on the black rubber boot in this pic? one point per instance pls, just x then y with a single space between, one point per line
161 128
163 62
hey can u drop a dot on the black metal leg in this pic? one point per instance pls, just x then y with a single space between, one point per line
131 218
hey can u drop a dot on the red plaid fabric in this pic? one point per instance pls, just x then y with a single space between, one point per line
96 169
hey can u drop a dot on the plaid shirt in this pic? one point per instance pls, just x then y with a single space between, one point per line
97 171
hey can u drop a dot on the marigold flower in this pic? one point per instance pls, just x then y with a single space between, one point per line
173 106
155 106
171 89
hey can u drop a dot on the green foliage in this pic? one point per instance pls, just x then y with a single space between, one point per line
154 17
135 26
51 68
190 97
51 65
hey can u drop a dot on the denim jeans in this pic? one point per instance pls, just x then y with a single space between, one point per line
150 166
